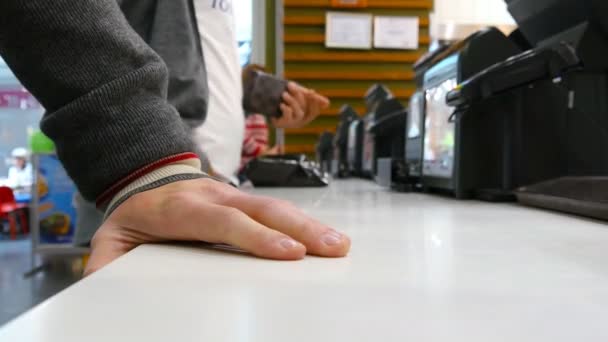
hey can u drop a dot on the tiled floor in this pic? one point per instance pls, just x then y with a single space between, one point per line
18 293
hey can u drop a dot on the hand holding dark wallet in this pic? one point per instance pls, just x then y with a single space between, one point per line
263 93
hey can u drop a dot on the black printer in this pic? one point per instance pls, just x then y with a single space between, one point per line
554 104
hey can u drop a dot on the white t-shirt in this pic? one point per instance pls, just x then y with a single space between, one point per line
20 178
221 136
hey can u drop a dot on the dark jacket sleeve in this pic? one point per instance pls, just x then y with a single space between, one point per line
104 89
170 28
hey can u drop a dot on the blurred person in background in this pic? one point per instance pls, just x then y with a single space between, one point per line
20 174
223 132
257 131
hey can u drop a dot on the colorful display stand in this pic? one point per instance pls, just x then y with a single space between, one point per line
53 215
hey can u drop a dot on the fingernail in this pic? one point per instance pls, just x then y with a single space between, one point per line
332 238
289 244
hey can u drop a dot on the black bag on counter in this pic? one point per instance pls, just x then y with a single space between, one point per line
285 171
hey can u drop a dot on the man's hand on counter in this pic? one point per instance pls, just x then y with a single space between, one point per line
210 211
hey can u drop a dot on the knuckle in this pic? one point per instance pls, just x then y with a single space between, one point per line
277 205
231 216
214 190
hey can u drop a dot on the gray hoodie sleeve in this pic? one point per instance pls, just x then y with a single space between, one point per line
103 87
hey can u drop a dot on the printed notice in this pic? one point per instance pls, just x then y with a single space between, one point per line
348 30
396 32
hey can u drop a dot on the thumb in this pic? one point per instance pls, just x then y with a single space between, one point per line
107 246
325 102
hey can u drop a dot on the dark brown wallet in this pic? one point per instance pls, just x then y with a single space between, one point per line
263 93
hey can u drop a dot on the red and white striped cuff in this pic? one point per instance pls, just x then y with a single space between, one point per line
166 167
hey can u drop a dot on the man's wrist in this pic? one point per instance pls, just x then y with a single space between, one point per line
153 176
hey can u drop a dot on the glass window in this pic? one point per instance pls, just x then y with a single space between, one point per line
19 113
244 29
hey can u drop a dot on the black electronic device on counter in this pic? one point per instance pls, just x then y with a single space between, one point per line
462 155
580 23
380 102
376 94
383 135
403 170
325 151
339 167
427 61
552 98
414 136
355 147
579 105
521 70
529 141
388 130
285 171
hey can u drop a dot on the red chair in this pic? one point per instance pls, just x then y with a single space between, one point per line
9 209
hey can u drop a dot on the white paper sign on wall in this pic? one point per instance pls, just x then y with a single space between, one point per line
392 32
348 30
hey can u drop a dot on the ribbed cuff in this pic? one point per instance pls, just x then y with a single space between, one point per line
183 170
105 198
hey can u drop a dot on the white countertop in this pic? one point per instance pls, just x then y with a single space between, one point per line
421 268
